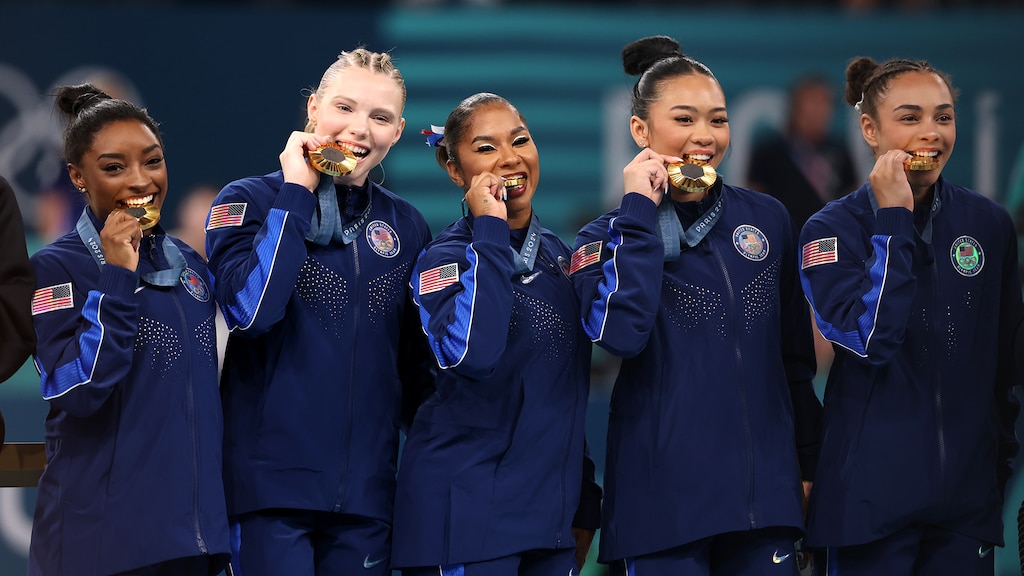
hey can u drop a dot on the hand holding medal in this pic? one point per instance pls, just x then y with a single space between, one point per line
120 238
332 159
485 196
307 157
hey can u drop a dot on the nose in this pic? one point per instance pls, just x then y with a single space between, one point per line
929 129
358 126
140 179
702 134
509 156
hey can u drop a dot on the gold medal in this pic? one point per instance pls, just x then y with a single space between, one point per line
147 215
333 159
920 162
690 177
511 183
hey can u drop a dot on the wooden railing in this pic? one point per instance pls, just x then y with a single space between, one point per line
21 463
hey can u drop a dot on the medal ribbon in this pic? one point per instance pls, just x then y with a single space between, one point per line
168 277
925 234
329 226
526 257
672 233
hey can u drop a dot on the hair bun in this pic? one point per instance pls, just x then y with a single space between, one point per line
640 55
88 99
73 99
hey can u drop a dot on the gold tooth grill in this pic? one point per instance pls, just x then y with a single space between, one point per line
333 159
690 177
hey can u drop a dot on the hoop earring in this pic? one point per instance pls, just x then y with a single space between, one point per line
383 174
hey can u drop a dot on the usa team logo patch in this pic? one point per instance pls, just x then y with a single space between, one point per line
382 239
56 297
750 242
967 256
226 215
195 285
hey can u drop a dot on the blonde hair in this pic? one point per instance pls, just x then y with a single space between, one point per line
376 62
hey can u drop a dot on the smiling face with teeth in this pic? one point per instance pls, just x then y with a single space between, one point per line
496 139
123 168
915 114
361 111
687 119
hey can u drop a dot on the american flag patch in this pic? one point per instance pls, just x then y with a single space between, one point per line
438 278
585 256
57 297
224 215
821 251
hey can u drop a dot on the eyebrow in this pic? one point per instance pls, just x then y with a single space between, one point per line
487 138
916 108
694 109
119 156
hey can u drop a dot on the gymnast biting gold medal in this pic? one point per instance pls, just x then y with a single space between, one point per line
333 159
922 160
511 183
146 212
691 176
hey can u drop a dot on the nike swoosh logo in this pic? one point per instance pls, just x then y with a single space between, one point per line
982 551
367 563
528 279
776 559
139 289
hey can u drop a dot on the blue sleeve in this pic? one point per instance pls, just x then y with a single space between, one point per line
85 350
467 320
255 264
862 299
620 293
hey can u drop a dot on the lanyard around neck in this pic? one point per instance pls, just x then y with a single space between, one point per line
527 255
672 232
168 277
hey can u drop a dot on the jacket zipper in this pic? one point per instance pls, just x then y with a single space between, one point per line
193 431
347 438
937 388
741 388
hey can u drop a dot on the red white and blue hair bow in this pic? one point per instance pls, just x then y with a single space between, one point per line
434 135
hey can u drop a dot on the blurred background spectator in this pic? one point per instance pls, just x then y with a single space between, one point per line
802 164
190 220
